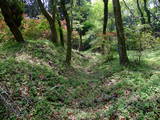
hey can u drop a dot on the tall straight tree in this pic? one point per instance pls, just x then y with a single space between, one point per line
141 13
69 32
105 21
12 13
54 9
120 33
50 18
60 26
60 30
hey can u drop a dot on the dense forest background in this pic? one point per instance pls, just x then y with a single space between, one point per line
79 59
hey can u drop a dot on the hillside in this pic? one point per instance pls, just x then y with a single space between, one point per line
37 85
79 60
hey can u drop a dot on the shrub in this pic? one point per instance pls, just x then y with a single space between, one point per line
35 28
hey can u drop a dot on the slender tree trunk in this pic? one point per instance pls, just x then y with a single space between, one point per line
80 30
61 33
54 9
129 9
120 33
80 41
141 13
69 33
132 14
147 12
105 21
51 20
6 12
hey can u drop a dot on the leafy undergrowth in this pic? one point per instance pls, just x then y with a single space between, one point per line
42 87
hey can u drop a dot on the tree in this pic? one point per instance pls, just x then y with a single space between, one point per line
12 12
132 14
60 30
120 33
31 8
51 19
105 21
69 32
141 13
147 12
81 24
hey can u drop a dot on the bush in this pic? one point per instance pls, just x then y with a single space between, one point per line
36 28
139 39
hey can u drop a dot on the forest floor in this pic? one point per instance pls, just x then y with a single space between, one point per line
41 87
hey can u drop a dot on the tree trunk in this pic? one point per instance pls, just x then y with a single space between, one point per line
105 21
147 12
51 20
69 33
129 9
141 13
54 9
61 33
132 14
17 34
120 33
6 12
80 41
